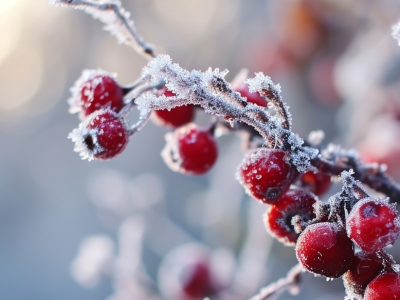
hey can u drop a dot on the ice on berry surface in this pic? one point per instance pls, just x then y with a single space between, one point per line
373 224
78 136
74 101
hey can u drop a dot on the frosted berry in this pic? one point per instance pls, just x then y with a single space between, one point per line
373 224
325 249
95 90
265 174
175 117
102 136
254 98
186 273
384 287
278 217
317 183
190 150
365 267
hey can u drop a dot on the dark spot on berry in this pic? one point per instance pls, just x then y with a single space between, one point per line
88 140
272 193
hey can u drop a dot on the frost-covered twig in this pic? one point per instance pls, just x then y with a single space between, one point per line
372 175
117 21
266 88
213 93
291 281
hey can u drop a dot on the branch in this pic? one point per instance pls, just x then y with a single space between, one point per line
291 281
370 174
117 21
213 93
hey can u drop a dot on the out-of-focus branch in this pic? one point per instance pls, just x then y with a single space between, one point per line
291 281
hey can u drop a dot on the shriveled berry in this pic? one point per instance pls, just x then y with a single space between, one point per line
373 224
384 287
265 174
365 267
317 183
254 98
278 218
190 150
325 249
96 90
175 117
102 136
186 273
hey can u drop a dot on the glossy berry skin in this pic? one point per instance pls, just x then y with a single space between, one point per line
175 117
190 150
254 98
365 267
373 224
317 183
278 217
102 136
265 175
384 287
96 90
325 249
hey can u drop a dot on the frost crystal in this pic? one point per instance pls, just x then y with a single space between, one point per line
116 18
75 100
79 135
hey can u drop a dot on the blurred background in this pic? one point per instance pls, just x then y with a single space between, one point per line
70 229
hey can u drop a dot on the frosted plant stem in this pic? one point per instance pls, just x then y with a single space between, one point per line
372 175
213 93
117 21
291 281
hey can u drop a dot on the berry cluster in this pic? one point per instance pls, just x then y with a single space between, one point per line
345 236
103 133
326 235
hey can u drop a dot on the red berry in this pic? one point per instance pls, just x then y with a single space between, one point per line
384 287
265 174
175 117
186 273
325 249
373 224
102 136
254 98
278 218
190 150
317 183
95 90
365 267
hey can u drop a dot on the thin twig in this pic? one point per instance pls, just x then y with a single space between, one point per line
117 21
291 281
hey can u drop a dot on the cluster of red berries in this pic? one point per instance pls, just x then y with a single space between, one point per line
325 245
103 133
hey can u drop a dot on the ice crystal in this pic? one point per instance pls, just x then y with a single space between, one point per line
75 100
